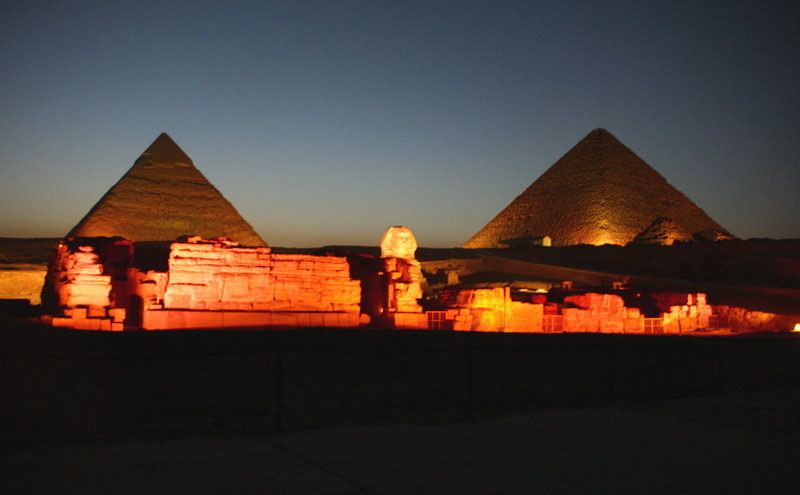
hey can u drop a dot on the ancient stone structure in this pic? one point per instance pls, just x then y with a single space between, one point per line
494 310
80 288
113 284
402 279
489 310
207 284
219 275
599 192
662 231
398 242
163 197
604 313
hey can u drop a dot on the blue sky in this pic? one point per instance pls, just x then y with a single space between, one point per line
326 122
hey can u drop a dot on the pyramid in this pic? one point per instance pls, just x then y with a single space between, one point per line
599 192
162 197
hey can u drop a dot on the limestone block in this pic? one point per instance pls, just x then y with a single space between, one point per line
633 324
464 326
100 291
612 326
671 326
79 313
117 314
304 320
82 300
688 324
178 299
485 321
525 317
316 320
235 287
184 276
410 320
236 306
96 312
84 279
87 324
61 322
570 319
105 324
245 319
117 327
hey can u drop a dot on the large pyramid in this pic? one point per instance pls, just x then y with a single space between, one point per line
600 192
162 197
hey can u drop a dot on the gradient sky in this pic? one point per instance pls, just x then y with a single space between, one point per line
324 123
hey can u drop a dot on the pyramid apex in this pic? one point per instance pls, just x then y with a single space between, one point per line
600 133
166 152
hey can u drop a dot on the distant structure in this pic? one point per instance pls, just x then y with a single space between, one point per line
163 197
598 193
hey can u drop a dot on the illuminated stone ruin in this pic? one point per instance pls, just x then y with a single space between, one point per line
161 198
205 284
113 284
598 193
495 310
79 289
489 310
402 279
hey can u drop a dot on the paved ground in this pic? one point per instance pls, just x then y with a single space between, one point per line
736 443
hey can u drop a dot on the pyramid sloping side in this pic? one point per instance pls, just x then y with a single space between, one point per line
599 192
162 197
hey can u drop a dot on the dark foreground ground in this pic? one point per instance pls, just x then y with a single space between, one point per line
743 442
64 386
327 411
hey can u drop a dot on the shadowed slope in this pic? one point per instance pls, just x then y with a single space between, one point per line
162 197
599 192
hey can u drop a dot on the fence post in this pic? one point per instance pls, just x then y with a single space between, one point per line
718 378
278 385
611 384
470 385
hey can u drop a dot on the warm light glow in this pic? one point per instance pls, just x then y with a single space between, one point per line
603 240
796 328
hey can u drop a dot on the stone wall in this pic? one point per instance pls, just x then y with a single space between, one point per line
604 313
221 277
490 310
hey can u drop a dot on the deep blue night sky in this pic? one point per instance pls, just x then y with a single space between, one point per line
324 123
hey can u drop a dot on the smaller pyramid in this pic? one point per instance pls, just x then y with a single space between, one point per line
662 231
163 197
599 192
